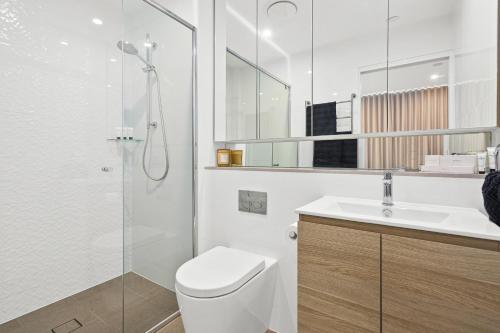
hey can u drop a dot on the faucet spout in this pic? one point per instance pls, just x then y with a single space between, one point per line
387 182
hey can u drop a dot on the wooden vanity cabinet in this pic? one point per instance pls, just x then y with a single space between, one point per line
355 277
436 287
338 279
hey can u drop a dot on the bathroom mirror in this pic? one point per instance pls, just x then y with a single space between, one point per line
299 68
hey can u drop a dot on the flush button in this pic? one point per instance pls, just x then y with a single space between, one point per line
252 202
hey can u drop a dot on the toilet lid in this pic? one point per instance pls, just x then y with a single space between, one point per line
218 272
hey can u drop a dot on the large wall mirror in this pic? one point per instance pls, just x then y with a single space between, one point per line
334 69
322 67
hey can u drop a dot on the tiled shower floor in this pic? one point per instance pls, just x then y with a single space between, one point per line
100 309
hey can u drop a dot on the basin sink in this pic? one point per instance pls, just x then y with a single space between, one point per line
395 212
469 222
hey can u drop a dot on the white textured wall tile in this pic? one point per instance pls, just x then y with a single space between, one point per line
59 214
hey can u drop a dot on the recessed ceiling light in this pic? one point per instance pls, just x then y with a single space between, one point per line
434 77
64 43
97 21
266 33
335 94
282 10
309 72
112 60
109 86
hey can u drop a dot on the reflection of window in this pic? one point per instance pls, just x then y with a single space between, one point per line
421 109
418 99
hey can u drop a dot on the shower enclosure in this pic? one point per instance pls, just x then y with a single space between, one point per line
97 182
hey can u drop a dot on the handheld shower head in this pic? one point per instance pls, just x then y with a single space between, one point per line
130 48
127 47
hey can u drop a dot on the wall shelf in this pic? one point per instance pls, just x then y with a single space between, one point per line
125 140
457 131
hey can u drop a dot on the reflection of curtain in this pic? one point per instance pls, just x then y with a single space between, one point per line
422 109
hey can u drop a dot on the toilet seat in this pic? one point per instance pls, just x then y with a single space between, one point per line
217 272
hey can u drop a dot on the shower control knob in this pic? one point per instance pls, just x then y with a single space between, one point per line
106 169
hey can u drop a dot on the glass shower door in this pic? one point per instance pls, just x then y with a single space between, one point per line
158 182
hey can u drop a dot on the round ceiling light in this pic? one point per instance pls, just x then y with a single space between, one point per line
282 10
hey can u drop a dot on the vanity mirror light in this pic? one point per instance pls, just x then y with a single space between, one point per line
291 72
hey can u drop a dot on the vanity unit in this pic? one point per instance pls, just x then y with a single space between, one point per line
365 267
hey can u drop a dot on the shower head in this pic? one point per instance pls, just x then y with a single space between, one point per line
127 47
130 48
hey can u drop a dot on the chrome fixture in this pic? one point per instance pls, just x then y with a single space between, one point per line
497 151
150 46
387 201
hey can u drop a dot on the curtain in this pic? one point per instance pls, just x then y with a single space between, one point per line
422 109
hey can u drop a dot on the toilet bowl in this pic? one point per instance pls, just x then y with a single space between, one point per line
226 290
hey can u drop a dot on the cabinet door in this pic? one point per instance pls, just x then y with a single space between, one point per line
436 287
339 279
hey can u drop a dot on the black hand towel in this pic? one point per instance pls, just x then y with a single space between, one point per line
491 196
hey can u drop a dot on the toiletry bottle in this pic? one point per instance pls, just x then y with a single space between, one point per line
481 162
491 159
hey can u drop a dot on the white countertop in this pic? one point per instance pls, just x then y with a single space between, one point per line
468 222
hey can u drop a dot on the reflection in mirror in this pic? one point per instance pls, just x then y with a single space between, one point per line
235 25
241 103
363 66
274 107
451 154
348 36
442 64
278 155
284 51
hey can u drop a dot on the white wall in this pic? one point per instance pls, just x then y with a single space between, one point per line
287 191
60 216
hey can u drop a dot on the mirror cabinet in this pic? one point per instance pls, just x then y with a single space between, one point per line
380 83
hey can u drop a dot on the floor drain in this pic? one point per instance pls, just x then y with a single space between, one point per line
67 327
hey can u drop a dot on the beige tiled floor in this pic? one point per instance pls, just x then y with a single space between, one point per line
100 309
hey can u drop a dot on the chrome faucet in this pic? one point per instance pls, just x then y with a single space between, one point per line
387 201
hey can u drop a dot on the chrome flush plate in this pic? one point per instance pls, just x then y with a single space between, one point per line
252 202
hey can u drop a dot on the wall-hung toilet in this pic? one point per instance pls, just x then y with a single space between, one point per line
226 290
